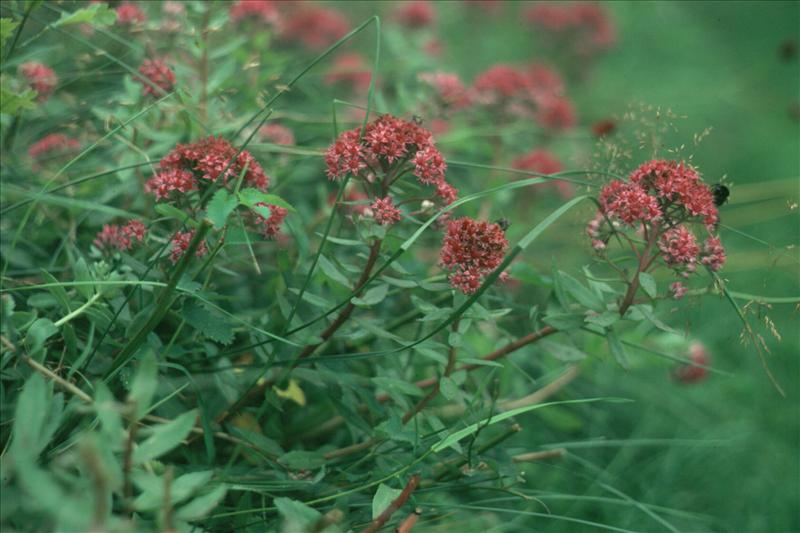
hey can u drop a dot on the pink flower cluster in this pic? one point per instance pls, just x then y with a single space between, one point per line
535 93
677 184
40 78
129 14
276 134
389 141
264 10
415 14
121 238
584 26
271 226
689 373
180 243
55 143
451 92
157 73
472 250
189 165
629 202
385 212
542 161
314 27
679 249
350 69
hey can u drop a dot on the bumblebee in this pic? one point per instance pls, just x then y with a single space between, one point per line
503 223
721 193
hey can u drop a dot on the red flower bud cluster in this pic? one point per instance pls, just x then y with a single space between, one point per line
690 373
129 14
271 226
121 238
584 26
53 144
41 78
472 250
158 74
180 243
387 142
385 212
188 165
415 14
264 10
679 249
450 90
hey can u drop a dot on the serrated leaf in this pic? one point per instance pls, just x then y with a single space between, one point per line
165 437
209 322
144 383
383 498
220 206
648 283
7 27
11 102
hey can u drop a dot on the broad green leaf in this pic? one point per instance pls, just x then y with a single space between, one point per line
98 14
448 388
144 383
383 498
250 197
373 296
182 487
170 211
165 437
41 330
302 460
582 295
202 505
604 319
332 272
648 283
397 385
220 206
297 516
29 418
208 322
58 292
564 321
84 275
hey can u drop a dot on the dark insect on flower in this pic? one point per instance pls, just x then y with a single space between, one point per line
503 223
416 119
721 193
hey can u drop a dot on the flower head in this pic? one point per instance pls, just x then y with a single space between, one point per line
629 202
542 161
385 212
584 26
713 255
276 134
679 248
157 73
415 14
449 88
265 11
472 250
120 238
350 69
271 226
129 14
689 373
677 289
55 143
188 165
314 27
180 243
40 78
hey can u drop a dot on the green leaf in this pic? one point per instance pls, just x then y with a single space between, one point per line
170 211
29 418
11 102
165 437
332 272
208 322
383 498
184 486
302 460
448 388
220 206
297 516
564 321
41 330
144 383
83 274
617 350
372 296
98 14
604 319
495 418
202 505
582 295
397 385
648 283
250 197
7 27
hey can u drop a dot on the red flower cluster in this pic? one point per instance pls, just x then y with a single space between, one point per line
603 128
629 202
55 143
583 25
180 243
679 249
41 78
129 14
276 134
713 253
415 14
677 289
385 212
159 74
204 160
449 88
677 184
544 162
265 10
389 141
350 69
314 27
536 92
271 227
120 237
690 373
472 250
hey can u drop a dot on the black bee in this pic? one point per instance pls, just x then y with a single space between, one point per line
503 223
418 120
720 193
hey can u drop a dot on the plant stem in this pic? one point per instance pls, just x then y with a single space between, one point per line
384 517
